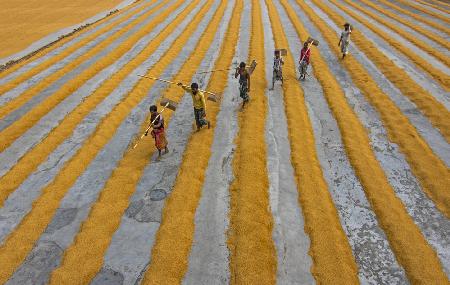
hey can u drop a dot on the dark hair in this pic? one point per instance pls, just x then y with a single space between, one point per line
242 64
153 108
194 85
277 52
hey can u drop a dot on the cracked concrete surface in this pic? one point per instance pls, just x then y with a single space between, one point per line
417 74
130 248
209 256
84 193
430 134
291 242
129 253
19 202
374 257
391 159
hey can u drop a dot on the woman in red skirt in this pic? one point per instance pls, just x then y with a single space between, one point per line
158 132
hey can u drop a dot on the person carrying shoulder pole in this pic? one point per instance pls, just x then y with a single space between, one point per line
198 100
158 132
305 55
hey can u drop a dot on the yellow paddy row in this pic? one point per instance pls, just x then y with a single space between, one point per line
405 238
21 241
252 252
11 133
427 167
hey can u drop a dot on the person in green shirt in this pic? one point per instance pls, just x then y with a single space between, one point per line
198 100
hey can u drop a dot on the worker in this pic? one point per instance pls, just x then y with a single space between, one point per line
244 82
277 68
305 55
198 100
158 132
344 40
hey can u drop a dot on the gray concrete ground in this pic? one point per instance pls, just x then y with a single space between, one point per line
209 257
432 9
419 13
420 37
291 242
65 81
412 20
440 3
20 201
47 123
139 226
375 259
24 86
417 74
431 135
77 203
405 185
35 62
432 60
54 36
129 253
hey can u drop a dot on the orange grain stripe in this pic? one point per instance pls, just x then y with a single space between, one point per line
333 260
430 170
419 260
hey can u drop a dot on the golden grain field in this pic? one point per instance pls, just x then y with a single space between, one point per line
341 178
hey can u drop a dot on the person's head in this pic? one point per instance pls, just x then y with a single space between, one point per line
242 65
194 87
305 45
277 53
346 26
153 109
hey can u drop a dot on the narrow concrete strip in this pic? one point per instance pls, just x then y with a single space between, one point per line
375 259
382 4
411 46
19 203
419 13
294 263
77 203
130 248
430 134
209 257
13 93
443 30
18 113
418 75
36 60
433 224
54 36
47 123
407 29
429 8
439 5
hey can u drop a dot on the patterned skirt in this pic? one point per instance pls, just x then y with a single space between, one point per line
160 138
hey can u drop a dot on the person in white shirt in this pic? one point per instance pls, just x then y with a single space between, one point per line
345 39
277 68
